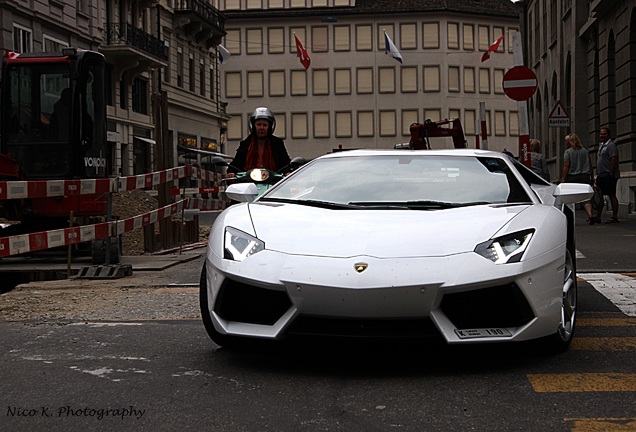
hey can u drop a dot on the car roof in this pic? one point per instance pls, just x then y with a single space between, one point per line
441 152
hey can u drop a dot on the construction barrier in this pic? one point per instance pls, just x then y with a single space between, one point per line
38 241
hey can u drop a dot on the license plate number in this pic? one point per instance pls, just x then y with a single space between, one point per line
482 333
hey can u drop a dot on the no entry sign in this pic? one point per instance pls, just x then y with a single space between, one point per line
519 83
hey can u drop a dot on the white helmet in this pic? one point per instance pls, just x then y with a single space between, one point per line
262 113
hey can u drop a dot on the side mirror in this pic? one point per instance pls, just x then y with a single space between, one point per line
242 192
572 193
218 160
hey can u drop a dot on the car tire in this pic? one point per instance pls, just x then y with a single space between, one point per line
561 340
218 338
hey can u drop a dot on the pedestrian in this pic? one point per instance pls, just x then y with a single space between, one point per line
261 149
577 168
537 160
607 172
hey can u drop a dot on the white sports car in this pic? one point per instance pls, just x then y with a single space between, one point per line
469 244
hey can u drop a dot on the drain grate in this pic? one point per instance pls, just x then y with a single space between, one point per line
114 271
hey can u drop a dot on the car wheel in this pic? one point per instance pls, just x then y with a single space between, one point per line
217 338
560 341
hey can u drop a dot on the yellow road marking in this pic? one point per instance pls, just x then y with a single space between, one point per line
606 322
604 344
584 382
601 424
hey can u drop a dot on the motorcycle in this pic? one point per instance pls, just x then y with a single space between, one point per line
248 185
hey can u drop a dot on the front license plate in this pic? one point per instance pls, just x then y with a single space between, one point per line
482 333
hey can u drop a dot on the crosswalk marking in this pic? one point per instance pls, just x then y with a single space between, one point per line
583 382
618 288
605 322
604 344
601 424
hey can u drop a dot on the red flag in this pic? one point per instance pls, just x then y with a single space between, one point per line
302 54
491 48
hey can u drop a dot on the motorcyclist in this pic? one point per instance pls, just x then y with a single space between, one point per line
261 149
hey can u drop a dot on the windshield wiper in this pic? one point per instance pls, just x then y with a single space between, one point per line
415 205
312 203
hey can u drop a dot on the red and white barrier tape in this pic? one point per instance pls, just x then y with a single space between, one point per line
24 243
56 188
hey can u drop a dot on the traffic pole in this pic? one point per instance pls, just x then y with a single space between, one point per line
483 127
522 107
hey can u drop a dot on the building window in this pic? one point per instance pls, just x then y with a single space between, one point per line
202 77
408 36
431 79
123 91
500 123
387 123
365 124
212 83
341 38
180 67
255 84
389 30
513 121
408 79
319 3
484 80
277 83
299 125
469 122
276 40
386 79
454 113
281 124
300 33
364 80
343 124
469 37
298 83
430 33
254 4
453 79
276 4
319 39
166 69
320 82
233 85
321 125
364 37
408 118
469 80
433 114
497 32
191 73
22 39
233 41
511 33
498 81
298 3
53 45
484 38
232 4
254 41
140 95
453 35
342 81
235 127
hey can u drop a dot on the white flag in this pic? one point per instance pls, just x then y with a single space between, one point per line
224 54
390 49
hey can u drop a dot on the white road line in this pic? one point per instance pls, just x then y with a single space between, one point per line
619 289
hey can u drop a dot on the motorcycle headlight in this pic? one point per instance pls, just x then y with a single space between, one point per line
506 249
238 245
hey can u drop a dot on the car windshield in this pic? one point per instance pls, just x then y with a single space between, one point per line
401 181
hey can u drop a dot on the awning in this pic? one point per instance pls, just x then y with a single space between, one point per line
146 140
202 152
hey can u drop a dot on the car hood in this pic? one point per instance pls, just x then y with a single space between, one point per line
305 230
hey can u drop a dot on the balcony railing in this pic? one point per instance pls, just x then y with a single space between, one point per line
127 34
205 11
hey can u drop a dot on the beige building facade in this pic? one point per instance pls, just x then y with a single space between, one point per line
353 94
584 54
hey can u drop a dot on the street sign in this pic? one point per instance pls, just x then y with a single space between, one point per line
519 83
558 116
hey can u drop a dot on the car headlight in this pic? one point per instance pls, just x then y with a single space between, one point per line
238 245
506 249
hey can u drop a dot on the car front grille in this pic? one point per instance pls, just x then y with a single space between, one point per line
362 328
249 304
499 306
